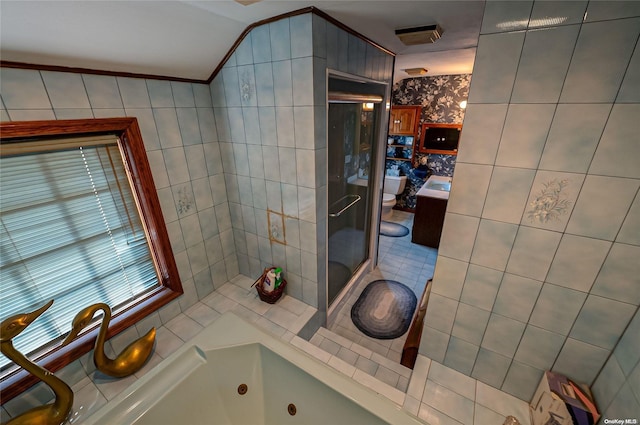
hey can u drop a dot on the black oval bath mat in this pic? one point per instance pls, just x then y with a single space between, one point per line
394 230
384 309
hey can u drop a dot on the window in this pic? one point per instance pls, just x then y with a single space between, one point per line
80 224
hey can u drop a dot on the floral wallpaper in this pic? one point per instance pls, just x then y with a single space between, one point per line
440 98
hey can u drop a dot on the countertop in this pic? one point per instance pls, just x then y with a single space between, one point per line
436 187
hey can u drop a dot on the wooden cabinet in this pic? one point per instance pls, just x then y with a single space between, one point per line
404 120
428 221
403 129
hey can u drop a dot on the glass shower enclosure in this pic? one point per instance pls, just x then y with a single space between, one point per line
353 121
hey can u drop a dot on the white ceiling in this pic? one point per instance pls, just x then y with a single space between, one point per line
188 39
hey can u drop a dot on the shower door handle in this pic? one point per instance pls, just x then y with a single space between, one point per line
349 205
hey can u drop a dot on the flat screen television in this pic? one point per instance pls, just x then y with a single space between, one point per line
439 137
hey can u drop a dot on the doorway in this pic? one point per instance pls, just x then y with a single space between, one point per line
354 117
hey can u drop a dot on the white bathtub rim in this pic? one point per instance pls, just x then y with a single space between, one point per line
231 331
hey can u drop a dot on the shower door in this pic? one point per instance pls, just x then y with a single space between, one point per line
351 135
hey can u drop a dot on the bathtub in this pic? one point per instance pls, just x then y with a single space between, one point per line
234 373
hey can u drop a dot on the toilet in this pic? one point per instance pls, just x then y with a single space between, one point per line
393 185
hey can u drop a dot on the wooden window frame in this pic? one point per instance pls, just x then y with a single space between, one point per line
137 165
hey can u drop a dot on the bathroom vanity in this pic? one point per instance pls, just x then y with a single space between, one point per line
431 205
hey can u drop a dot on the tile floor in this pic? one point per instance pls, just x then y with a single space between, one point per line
399 260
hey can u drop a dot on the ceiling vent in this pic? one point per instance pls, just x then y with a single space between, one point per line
416 72
419 35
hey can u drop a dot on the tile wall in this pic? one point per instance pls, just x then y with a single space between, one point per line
181 140
239 165
179 132
617 388
543 221
270 108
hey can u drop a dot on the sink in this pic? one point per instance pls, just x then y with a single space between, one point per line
436 187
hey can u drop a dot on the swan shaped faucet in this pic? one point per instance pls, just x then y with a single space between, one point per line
49 414
129 361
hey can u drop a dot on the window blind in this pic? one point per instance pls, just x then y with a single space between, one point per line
70 231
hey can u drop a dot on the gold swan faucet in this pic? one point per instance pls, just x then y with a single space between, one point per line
49 414
129 361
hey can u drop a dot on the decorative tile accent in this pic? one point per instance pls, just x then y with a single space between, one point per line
247 85
276 227
551 200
